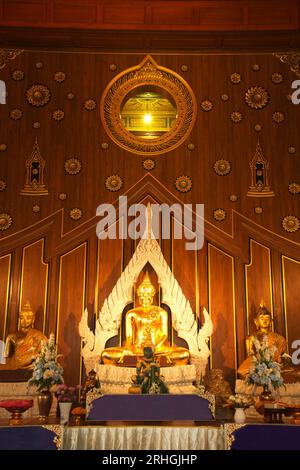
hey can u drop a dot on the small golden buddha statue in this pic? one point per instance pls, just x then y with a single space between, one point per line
22 347
146 325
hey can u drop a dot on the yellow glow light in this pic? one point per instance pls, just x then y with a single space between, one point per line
147 118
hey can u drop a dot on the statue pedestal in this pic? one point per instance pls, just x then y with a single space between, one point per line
288 394
114 379
19 390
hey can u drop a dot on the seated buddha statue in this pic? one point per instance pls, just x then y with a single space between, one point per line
146 326
22 347
263 322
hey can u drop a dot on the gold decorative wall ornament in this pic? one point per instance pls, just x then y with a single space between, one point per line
290 223
259 175
3 147
75 214
36 125
292 60
206 105
89 105
16 114
292 150
191 147
114 183
148 164
5 221
60 76
104 145
220 215
224 97
8 54
35 165
257 97
235 78
294 188
2 185
257 127
229 430
58 115
233 197
255 67
39 65
184 68
277 78
236 117
278 117
36 208
112 67
183 184
258 210
38 95
17 75
62 196
70 96
222 167
73 166
148 78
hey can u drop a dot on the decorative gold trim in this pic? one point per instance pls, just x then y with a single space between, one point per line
229 430
7 293
8 54
58 430
210 398
283 258
90 397
292 60
148 73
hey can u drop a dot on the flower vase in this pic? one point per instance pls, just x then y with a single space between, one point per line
266 395
239 416
65 408
44 399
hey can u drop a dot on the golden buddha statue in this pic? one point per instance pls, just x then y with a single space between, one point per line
263 322
146 325
22 347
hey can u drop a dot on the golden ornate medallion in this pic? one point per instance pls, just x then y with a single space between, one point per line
2 185
219 215
292 150
207 105
148 109
222 167
114 183
39 65
38 95
258 210
112 67
236 117
255 67
257 127
17 75
90 105
183 184
294 188
3 147
70 96
148 164
60 76
257 97
278 117
233 197
290 223
104 145
277 78
5 221
36 208
16 114
58 114
73 166
62 196
235 78
224 97
191 147
75 213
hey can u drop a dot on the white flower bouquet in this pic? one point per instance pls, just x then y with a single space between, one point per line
239 401
47 372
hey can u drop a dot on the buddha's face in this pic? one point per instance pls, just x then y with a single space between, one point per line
263 322
146 294
26 319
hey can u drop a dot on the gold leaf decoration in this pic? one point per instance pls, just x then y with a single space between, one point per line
224 97
36 125
191 147
258 210
206 105
16 114
277 78
235 78
62 196
291 150
36 209
222 167
293 61
294 188
90 105
112 67
257 97
255 67
236 117
73 166
233 197
17 75
8 54
114 183
278 117
75 214
39 65
60 76
2 185
183 184
5 221
219 215
184 68
290 223
58 114
148 164
38 95
104 145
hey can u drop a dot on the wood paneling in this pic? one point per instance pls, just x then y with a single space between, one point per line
291 289
5 271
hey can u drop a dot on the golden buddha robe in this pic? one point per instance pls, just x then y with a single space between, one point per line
22 348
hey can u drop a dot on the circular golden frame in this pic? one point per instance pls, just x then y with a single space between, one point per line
148 72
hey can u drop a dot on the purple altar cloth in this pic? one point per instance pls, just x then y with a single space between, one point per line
267 437
26 438
150 408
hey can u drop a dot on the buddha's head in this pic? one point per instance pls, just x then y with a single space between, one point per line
146 291
263 319
26 317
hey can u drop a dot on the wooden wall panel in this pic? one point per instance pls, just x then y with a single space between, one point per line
291 289
5 273
258 279
222 310
34 281
71 302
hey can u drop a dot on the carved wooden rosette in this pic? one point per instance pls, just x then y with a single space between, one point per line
148 72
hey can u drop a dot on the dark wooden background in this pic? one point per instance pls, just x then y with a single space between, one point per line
59 265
